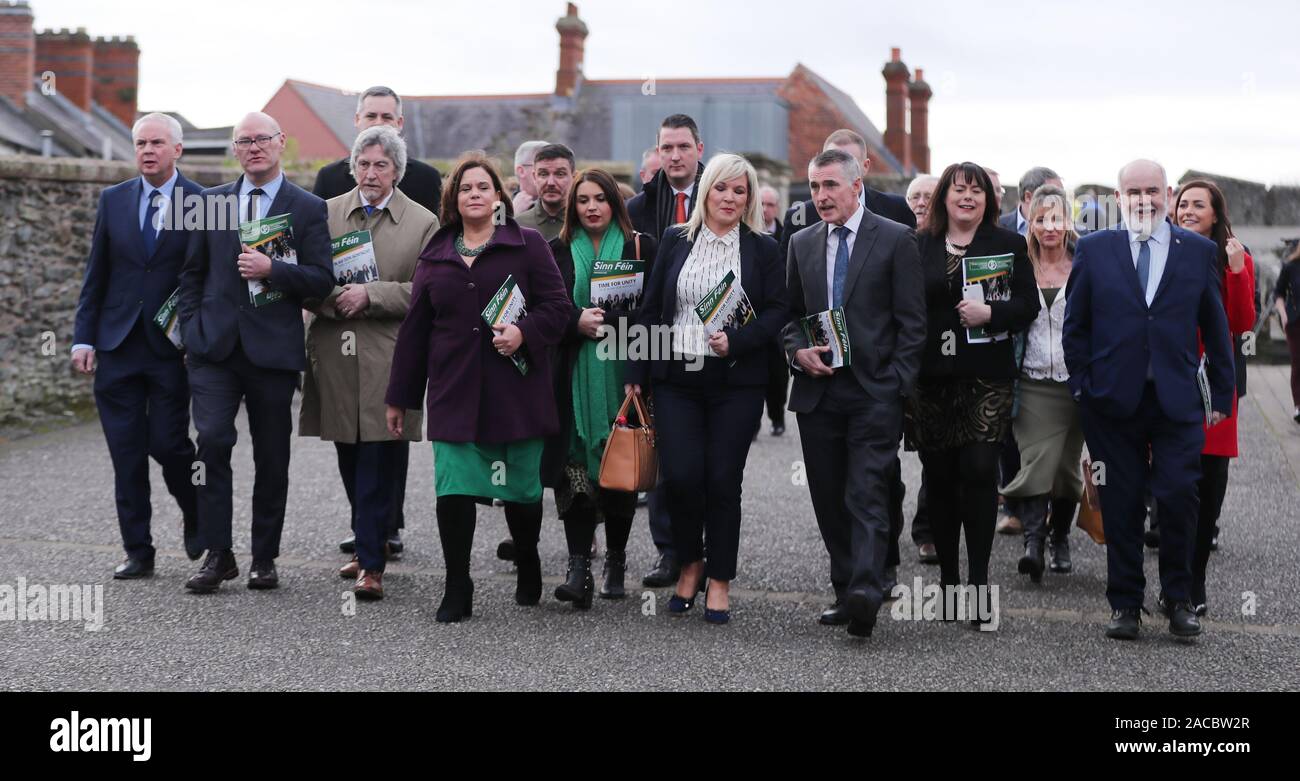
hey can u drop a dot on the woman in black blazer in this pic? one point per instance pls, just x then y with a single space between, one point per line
960 411
589 381
709 392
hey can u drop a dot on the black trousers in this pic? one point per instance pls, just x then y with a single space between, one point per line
661 526
897 493
368 470
396 469
267 394
1170 475
143 403
850 450
778 383
705 428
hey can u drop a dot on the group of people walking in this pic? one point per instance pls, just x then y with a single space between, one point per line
478 325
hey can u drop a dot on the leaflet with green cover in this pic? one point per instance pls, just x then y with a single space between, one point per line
725 306
828 329
616 284
273 237
985 279
168 318
506 308
354 259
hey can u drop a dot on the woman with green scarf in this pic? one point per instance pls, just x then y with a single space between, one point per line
588 377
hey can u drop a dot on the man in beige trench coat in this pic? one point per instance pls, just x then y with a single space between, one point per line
350 345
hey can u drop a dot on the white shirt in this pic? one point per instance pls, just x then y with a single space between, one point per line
833 245
711 257
687 193
164 200
271 188
1159 248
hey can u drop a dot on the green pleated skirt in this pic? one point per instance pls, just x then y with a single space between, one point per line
510 471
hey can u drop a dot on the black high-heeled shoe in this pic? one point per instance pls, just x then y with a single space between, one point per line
714 616
680 605
457 601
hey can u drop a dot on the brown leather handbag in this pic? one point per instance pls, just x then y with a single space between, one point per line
630 462
1090 508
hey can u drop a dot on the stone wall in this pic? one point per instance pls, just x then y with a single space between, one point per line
47 215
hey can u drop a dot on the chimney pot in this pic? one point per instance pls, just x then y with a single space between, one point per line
896 54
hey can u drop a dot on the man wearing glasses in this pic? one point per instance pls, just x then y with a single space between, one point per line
237 350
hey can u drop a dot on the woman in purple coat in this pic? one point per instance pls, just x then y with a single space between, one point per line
490 402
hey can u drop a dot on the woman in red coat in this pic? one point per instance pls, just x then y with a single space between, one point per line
1200 207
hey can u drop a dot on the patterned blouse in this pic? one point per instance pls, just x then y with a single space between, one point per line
711 257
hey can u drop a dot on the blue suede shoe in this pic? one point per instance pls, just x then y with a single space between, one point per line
717 616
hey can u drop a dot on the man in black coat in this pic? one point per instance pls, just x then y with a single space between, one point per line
667 200
241 348
421 183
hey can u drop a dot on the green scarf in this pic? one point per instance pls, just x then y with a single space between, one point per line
597 384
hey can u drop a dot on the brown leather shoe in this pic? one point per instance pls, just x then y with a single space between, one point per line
369 585
351 569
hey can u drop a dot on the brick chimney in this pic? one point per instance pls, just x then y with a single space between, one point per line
573 34
116 70
919 94
896 76
17 51
70 55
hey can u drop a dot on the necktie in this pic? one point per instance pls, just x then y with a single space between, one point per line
1144 264
148 230
254 212
370 210
680 215
841 267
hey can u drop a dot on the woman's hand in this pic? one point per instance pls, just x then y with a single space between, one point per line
1236 255
719 344
629 388
393 416
590 321
353 301
508 339
973 314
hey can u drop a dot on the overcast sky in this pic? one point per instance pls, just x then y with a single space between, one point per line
1079 86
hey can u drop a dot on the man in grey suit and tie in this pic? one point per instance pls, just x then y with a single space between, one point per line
851 418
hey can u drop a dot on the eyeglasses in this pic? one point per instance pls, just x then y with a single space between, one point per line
261 141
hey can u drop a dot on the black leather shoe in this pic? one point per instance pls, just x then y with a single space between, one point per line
218 566
664 574
262 576
190 530
395 544
1124 624
578 584
860 607
1058 555
859 628
133 569
1031 563
835 615
506 550
349 545
1183 621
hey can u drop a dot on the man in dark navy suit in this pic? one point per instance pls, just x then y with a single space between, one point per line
238 350
1136 300
141 389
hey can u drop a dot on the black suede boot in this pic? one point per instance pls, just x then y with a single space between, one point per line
1033 514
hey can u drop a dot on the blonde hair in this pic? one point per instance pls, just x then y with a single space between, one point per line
721 168
1047 197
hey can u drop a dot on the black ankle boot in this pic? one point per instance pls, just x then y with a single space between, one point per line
528 584
1058 544
457 600
578 585
1033 515
615 569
